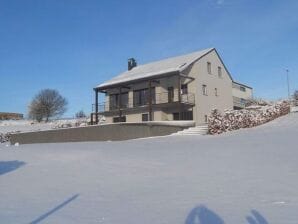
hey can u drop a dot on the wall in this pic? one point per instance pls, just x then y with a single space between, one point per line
114 132
204 104
241 94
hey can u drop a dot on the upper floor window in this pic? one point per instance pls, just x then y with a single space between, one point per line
204 89
242 89
141 97
219 72
184 89
209 67
116 101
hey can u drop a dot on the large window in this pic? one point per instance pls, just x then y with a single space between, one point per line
141 97
209 68
185 115
204 89
119 119
115 100
170 94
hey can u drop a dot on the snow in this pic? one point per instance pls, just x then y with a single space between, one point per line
23 126
247 176
174 64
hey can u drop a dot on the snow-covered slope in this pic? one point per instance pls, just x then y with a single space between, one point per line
247 176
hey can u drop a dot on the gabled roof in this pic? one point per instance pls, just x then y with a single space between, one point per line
154 69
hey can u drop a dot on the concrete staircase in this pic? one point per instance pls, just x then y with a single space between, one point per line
197 130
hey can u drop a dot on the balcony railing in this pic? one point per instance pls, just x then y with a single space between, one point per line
165 98
239 102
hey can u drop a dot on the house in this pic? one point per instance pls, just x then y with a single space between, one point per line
10 116
186 87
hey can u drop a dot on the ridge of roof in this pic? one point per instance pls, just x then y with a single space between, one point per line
155 68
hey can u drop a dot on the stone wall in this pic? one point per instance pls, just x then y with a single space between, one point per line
109 132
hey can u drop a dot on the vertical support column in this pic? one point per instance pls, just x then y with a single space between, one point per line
119 104
179 97
96 106
150 100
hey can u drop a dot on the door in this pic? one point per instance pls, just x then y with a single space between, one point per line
170 94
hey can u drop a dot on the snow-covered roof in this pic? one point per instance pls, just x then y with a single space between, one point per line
169 65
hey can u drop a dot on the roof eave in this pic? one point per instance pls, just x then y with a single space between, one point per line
105 87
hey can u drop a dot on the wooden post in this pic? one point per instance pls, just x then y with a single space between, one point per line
150 100
91 119
179 96
96 106
119 104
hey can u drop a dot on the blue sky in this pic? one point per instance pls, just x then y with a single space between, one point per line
73 45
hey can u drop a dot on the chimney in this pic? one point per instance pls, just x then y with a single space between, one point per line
131 63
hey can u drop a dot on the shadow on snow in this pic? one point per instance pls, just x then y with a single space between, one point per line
203 215
8 166
58 207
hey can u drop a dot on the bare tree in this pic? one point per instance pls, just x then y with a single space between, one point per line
80 114
46 104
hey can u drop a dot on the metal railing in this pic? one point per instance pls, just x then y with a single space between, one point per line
157 99
239 102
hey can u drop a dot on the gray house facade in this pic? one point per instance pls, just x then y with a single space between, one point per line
186 87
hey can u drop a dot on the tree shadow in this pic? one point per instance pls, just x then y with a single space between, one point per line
8 166
203 215
256 218
58 207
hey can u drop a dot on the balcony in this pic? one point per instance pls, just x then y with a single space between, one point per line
159 100
239 103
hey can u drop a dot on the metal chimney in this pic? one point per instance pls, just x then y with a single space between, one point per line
131 63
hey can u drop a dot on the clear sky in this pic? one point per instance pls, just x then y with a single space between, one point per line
73 45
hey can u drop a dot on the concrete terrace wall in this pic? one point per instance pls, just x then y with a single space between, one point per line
113 132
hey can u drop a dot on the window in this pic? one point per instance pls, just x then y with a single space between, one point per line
185 115
184 89
215 92
204 89
145 117
141 97
206 118
242 89
219 72
119 119
170 94
209 67
114 101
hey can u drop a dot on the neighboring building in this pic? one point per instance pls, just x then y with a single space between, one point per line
10 116
186 87
241 93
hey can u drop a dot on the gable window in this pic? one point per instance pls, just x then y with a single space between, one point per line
215 92
219 72
242 89
209 67
204 89
184 89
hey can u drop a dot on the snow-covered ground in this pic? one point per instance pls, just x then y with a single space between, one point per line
23 125
246 176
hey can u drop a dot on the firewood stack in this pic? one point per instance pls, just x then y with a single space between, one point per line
245 118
